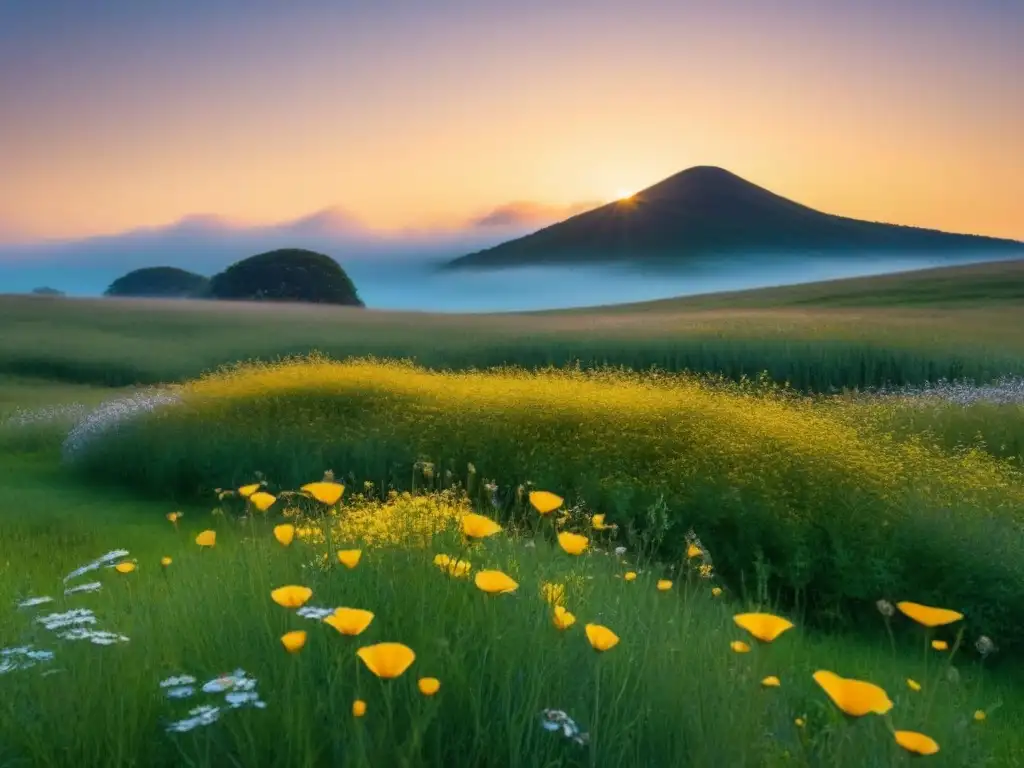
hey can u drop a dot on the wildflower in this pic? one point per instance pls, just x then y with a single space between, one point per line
95 636
928 616
452 567
854 697
387 660
620 551
117 554
165 561
291 596
739 646
915 742
556 720
262 500
940 645
552 593
979 715
249 490
479 527
237 680
664 585
22 657
34 601
358 708
124 567
913 684
325 492
716 591
174 681
800 721
694 551
545 502
314 612
764 626
204 715
429 685
92 586
630 576
294 641
284 533
349 557
349 621
885 608
771 682
597 521
562 619
494 582
601 638
705 571
572 543
207 539
74 617
985 646
174 516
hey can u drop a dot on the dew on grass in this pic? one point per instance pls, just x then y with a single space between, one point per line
21 657
31 602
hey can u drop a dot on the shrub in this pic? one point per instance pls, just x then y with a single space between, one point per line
290 274
159 282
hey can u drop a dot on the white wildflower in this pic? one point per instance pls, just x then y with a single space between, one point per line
199 716
74 617
314 612
95 636
21 657
34 601
116 554
92 586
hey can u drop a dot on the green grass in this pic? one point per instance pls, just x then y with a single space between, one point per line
814 344
671 693
836 516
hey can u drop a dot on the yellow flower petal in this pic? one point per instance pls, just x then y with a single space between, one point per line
601 638
913 684
764 626
739 646
478 527
174 516
428 685
349 621
771 682
800 722
562 618
928 616
694 551
630 576
124 567
915 742
979 715
545 502
716 591
349 557
249 490
284 533
262 500
206 538
387 660
572 543
325 493
358 708
165 561
292 596
293 641
552 593
664 585
854 697
495 582
940 645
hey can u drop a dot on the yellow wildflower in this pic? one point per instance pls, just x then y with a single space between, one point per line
387 660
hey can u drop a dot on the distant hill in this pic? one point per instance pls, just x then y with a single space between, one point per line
287 274
159 282
46 290
709 211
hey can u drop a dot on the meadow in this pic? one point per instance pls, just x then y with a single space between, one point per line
705 489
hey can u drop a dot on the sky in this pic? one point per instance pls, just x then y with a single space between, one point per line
398 116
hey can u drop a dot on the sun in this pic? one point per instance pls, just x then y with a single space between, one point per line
624 194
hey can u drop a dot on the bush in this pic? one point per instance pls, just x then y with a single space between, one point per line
780 488
158 282
290 274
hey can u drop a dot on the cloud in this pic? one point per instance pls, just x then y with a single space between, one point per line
523 213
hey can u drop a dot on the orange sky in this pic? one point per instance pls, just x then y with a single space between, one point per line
433 117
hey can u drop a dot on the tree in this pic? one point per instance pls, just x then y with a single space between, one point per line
287 274
159 282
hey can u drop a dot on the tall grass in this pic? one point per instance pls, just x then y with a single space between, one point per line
829 516
670 693
121 343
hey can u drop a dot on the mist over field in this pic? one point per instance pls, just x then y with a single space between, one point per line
403 280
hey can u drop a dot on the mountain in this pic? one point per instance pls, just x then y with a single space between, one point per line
709 211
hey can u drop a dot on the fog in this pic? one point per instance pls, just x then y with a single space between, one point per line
411 282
